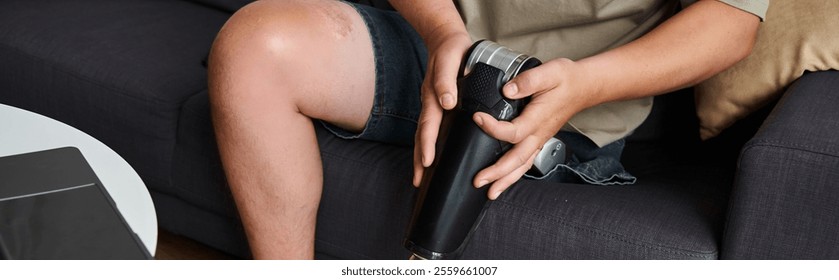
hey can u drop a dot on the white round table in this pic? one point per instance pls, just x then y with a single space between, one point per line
22 131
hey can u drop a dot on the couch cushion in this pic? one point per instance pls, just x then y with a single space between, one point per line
784 200
198 177
797 36
116 69
674 212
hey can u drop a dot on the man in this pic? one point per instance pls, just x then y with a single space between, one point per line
278 68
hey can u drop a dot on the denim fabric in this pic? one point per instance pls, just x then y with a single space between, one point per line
589 164
400 65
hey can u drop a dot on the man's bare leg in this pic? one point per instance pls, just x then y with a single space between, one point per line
274 66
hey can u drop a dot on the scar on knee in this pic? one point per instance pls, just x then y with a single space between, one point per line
336 18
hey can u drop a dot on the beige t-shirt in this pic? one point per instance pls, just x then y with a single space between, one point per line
575 29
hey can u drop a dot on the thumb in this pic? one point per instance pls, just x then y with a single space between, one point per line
530 82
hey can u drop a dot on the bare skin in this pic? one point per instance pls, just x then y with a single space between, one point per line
267 83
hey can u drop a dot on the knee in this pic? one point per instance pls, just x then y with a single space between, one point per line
279 29
270 33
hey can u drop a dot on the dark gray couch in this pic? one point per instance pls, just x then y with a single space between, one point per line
130 73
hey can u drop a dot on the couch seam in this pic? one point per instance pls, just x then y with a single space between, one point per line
813 149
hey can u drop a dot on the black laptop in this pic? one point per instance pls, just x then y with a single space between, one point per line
52 206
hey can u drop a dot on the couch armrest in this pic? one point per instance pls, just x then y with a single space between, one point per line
785 201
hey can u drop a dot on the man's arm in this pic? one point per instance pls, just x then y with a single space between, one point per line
702 40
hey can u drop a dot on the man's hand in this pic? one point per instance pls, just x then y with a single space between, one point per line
439 92
441 28
558 89
702 40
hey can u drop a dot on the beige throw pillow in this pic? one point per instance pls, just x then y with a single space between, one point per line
797 36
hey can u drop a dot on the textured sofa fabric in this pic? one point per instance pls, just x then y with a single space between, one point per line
117 69
784 204
674 212
124 71
129 73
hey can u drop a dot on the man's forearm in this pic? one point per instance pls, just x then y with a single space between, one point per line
704 39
